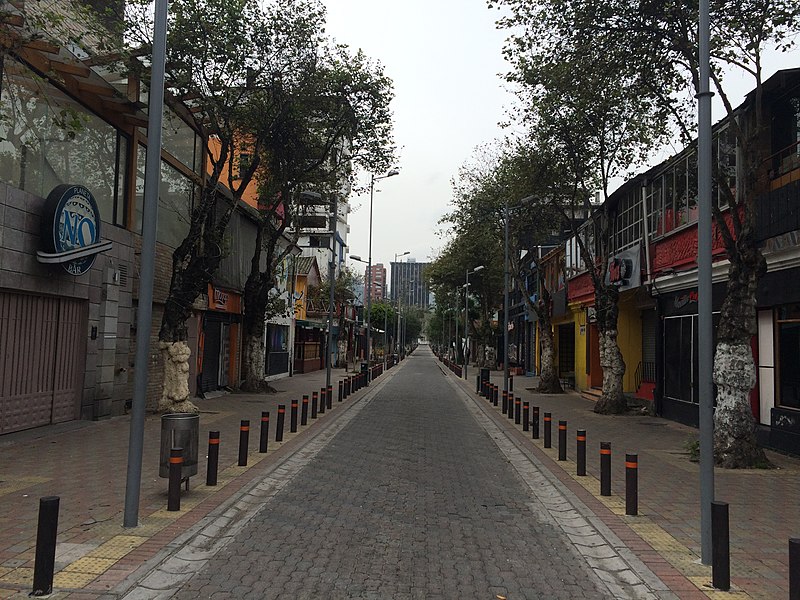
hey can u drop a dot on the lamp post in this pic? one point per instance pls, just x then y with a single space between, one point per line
466 315
399 300
334 220
372 181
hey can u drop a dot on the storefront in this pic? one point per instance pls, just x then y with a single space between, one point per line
219 340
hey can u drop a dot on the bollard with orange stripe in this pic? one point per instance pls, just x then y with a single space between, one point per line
279 424
517 410
504 408
548 418
535 423
496 395
175 475
631 484
510 405
213 458
293 417
314 405
341 390
562 440
526 416
329 397
605 468
581 450
244 441
263 439
321 409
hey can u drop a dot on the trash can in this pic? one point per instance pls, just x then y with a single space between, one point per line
364 367
180 430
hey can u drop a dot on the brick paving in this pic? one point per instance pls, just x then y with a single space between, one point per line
411 499
85 464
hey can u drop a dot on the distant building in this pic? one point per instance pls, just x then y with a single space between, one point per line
409 283
377 289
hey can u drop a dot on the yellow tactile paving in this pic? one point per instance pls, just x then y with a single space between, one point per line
118 546
90 564
19 576
12 484
73 579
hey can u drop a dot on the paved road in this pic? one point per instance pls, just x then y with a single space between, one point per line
417 495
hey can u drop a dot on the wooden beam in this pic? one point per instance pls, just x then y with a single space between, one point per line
70 68
93 88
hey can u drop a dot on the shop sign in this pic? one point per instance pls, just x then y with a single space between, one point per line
591 314
71 229
684 299
223 300
624 270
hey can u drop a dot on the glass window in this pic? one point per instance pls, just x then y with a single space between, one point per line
692 188
789 355
681 200
655 208
726 155
175 201
669 201
47 138
179 139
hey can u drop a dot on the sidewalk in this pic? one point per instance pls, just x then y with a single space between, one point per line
762 503
84 463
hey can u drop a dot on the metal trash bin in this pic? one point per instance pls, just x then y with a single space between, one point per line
180 430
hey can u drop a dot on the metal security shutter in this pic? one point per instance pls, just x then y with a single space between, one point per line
42 354
209 377
649 329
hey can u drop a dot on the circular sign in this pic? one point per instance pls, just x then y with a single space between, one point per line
71 221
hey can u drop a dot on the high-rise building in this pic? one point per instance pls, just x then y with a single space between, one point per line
408 282
378 288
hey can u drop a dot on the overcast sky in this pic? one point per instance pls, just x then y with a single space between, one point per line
444 57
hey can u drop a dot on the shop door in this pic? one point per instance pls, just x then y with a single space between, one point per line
595 370
42 357
209 377
225 355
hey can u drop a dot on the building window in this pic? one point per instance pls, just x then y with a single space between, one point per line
789 356
681 360
47 139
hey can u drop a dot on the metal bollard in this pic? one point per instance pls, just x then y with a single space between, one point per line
631 484
535 423
526 416
478 384
321 409
510 383
244 441
510 406
605 468
314 405
581 450
174 490
329 397
794 568
212 466
548 418
304 411
562 440
279 424
517 411
720 547
293 417
46 533
505 402
263 437
341 390
496 395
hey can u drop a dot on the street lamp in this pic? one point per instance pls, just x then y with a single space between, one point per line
372 181
466 315
399 301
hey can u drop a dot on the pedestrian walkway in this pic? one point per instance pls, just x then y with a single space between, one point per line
84 463
762 503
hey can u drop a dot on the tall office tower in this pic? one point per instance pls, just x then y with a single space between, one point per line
408 282
378 289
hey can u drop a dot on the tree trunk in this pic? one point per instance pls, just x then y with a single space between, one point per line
735 444
254 361
175 389
612 401
548 375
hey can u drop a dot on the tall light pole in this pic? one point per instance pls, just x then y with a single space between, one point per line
334 220
399 299
505 295
372 181
466 316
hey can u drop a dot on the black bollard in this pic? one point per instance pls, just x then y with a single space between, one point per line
478 384
720 547
581 451
517 411
314 398
293 416
304 411
535 423
496 395
526 416
511 383
212 466
279 424
505 402
46 533
174 490
562 440
547 433
341 390
244 441
321 410
605 468
510 406
631 484
263 437
794 568
329 397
